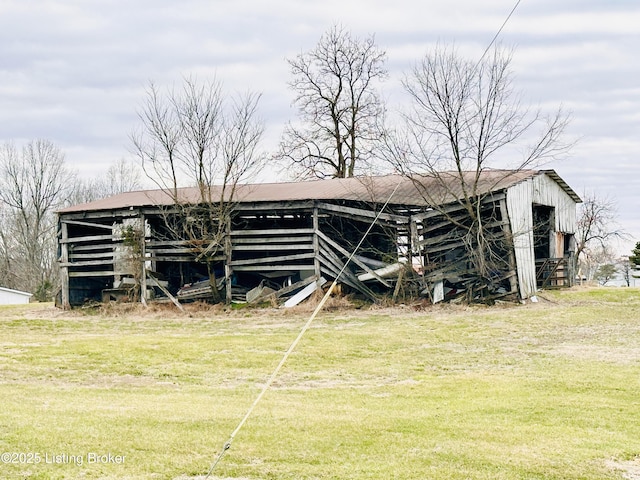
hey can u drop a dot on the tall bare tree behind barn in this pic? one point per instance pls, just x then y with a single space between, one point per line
340 111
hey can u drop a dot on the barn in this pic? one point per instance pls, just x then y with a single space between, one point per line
13 297
281 238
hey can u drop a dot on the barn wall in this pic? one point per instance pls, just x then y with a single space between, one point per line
545 191
519 200
541 190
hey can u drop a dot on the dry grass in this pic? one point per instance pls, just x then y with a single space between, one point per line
542 391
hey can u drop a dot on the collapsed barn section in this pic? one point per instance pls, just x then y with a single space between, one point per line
273 242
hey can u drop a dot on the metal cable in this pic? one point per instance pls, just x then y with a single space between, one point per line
293 345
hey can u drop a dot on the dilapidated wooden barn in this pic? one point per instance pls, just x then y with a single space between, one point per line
281 238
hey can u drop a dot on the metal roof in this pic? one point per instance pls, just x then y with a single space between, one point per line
399 190
17 292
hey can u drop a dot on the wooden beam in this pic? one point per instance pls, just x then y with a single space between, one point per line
87 224
361 214
256 247
332 261
228 268
88 238
89 263
152 281
258 268
177 258
316 242
285 290
261 240
354 259
280 258
64 271
90 248
85 256
142 266
275 231
96 273
176 251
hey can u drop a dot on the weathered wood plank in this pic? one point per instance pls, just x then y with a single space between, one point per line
152 281
168 243
360 214
285 290
274 231
188 259
86 256
346 276
280 258
452 207
89 263
88 238
259 268
87 224
448 246
90 248
258 248
354 258
259 240
64 271
96 273
176 251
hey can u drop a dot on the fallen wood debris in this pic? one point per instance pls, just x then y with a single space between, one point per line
305 293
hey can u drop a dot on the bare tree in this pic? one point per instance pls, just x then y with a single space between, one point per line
339 109
195 136
34 182
7 247
596 227
625 268
122 176
466 118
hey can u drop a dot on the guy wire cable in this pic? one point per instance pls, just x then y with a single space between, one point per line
293 345
306 326
495 37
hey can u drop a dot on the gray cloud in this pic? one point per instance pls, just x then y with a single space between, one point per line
74 71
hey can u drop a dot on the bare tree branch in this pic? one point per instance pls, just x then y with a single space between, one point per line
34 182
196 136
465 116
338 106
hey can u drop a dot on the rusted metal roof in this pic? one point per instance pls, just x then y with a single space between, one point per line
421 191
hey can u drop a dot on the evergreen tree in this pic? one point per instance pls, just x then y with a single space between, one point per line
635 258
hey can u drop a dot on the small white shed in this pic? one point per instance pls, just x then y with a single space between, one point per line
13 297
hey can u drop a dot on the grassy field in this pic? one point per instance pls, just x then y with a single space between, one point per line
543 391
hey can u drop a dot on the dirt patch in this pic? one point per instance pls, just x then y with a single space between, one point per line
630 469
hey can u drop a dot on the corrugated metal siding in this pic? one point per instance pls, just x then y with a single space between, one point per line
547 192
541 190
519 198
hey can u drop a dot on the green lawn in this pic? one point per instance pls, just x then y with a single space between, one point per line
542 391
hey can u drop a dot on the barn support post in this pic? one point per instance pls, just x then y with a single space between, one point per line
142 266
228 269
416 229
64 269
316 243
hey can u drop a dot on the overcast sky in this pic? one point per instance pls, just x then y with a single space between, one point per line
75 71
